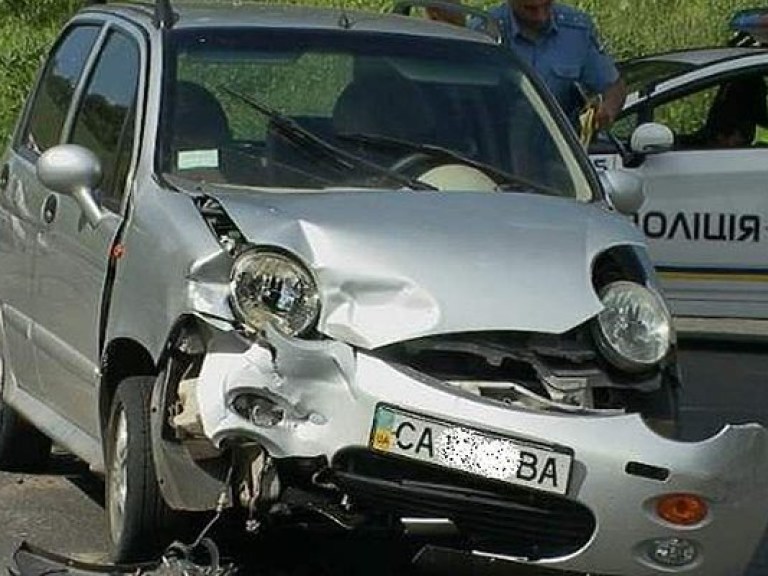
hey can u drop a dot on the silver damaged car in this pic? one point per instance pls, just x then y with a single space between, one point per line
351 270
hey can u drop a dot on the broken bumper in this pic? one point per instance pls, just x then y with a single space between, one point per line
587 505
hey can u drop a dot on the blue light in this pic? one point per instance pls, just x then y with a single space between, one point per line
753 21
754 18
750 27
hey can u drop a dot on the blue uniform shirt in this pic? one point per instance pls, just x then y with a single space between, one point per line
565 53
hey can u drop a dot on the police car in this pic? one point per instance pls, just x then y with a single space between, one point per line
706 210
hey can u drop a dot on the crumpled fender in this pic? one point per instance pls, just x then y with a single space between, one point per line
396 265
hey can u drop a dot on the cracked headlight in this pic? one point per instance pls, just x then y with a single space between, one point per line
273 287
634 330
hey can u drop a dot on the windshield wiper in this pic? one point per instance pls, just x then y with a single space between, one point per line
299 135
511 182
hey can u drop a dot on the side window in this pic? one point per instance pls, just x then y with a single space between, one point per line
624 126
731 114
105 119
687 116
52 100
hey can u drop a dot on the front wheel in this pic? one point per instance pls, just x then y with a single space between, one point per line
141 524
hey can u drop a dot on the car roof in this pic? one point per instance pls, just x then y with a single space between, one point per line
195 15
697 57
684 67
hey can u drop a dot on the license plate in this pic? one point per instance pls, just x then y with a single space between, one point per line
511 460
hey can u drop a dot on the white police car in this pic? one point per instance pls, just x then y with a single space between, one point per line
706 210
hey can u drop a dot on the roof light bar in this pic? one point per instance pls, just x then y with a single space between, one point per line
753 21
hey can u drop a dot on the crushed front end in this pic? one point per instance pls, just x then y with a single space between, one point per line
549 450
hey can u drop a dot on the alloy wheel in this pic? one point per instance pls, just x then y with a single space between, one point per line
118 477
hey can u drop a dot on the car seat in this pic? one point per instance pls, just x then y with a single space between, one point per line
384 103
200 133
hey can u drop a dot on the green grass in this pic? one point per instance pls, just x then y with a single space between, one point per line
628 27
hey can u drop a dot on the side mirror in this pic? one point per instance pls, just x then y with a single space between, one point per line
624 190
75 171
651 138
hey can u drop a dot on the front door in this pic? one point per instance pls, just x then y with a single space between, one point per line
706 211
21 205
73 257
706 221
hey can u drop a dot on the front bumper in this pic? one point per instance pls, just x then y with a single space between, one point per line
329 395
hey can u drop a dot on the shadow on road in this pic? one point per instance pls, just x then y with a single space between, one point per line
76 472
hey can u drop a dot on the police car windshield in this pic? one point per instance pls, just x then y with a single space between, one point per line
465 97
640 75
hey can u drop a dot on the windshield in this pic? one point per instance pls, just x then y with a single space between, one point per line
639 74
323 110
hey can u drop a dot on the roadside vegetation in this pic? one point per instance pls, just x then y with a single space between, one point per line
628 27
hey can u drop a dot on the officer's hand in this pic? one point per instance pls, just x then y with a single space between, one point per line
604 117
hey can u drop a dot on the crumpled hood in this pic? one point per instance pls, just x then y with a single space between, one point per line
397 265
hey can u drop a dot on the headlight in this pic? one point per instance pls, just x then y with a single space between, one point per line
635 329
272 287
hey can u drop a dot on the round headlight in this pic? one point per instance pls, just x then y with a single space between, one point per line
272 287
634 330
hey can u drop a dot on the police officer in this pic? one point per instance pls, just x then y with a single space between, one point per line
561 44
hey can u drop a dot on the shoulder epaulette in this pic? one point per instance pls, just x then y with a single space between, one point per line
571 17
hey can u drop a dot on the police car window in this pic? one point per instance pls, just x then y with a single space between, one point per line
105 120
624 126
53 98
638 74
686 117
730 114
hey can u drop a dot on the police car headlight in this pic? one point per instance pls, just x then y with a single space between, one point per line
634 330
269 286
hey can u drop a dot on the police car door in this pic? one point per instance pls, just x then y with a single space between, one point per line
706 213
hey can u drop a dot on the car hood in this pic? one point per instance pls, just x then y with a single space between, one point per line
397 265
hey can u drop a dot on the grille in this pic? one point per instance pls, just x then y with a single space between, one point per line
491 516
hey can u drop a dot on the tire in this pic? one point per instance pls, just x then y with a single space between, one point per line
141 525
23 448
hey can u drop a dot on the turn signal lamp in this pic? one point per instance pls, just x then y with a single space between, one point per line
682 509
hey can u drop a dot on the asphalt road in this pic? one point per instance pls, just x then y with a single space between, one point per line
62 510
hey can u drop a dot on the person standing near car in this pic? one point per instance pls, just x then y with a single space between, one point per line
560 43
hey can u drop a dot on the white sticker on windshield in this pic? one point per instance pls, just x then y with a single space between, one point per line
190 159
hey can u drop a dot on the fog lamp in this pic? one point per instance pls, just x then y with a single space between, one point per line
673 552
261 411
682 509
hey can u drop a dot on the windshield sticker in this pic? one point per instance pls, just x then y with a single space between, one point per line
698 226
191 159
